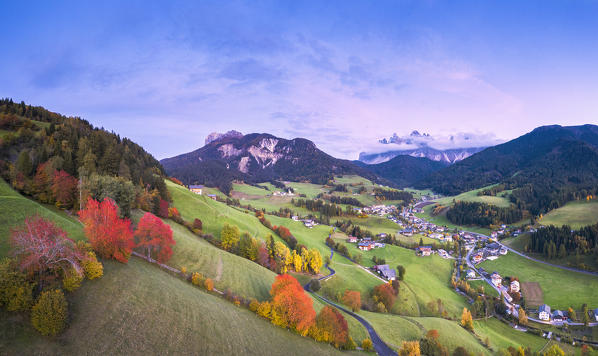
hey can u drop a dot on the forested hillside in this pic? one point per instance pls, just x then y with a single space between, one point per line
405 170
545 168
44 154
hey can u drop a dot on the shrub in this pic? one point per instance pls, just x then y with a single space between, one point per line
254 305
72 280
197 278
183 270
264 310
16 293
350 344
48 315
314 285
209 284
367 345
92 267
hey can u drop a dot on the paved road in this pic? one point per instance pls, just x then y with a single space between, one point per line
379 346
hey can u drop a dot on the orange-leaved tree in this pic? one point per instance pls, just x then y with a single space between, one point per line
352 299
384 293
154 236
291 306
109 235
330 327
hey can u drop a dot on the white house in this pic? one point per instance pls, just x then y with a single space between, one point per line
470 273
496 279
544 312
514 286
197 189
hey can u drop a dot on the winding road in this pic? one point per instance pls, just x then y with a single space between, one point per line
380 346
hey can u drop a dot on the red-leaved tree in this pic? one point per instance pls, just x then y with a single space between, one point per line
108 234
163 209
42 247
64 188
155 236
352 299
291 306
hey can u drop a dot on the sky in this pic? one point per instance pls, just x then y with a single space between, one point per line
343 74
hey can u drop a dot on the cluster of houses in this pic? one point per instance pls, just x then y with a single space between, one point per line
380 210
288 193
308 223
490 252
558 316
365 244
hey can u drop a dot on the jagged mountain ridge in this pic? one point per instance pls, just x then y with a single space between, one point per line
423 145
448 156
257 158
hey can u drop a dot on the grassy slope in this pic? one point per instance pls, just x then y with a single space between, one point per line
242 276
472 196
426 277
213 214
575 214
561 288
140 309
15 208
502 336
395 329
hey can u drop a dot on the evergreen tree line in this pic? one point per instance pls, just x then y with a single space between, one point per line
474 213
319 206
384 194
340 200
562 241
42 144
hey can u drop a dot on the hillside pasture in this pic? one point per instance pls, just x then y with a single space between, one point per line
214 214
561 288
502 336
138 309
576 214
15 208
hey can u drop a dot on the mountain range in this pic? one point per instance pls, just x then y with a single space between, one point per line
257 158
424 145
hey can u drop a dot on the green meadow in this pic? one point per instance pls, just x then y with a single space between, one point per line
576 214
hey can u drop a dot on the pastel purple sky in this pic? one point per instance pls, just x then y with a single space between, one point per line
343 74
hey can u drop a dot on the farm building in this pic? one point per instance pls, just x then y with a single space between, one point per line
544 312
424 250
197 189
386 272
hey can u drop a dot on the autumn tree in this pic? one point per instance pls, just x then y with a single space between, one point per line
314 260
384 293
367 345
64 189
154 236
163 208
291 306
109 235
282 257
467 320
41 247
42 182
352 299
522 317
330 326
197 224
554 350
410 348
229 237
